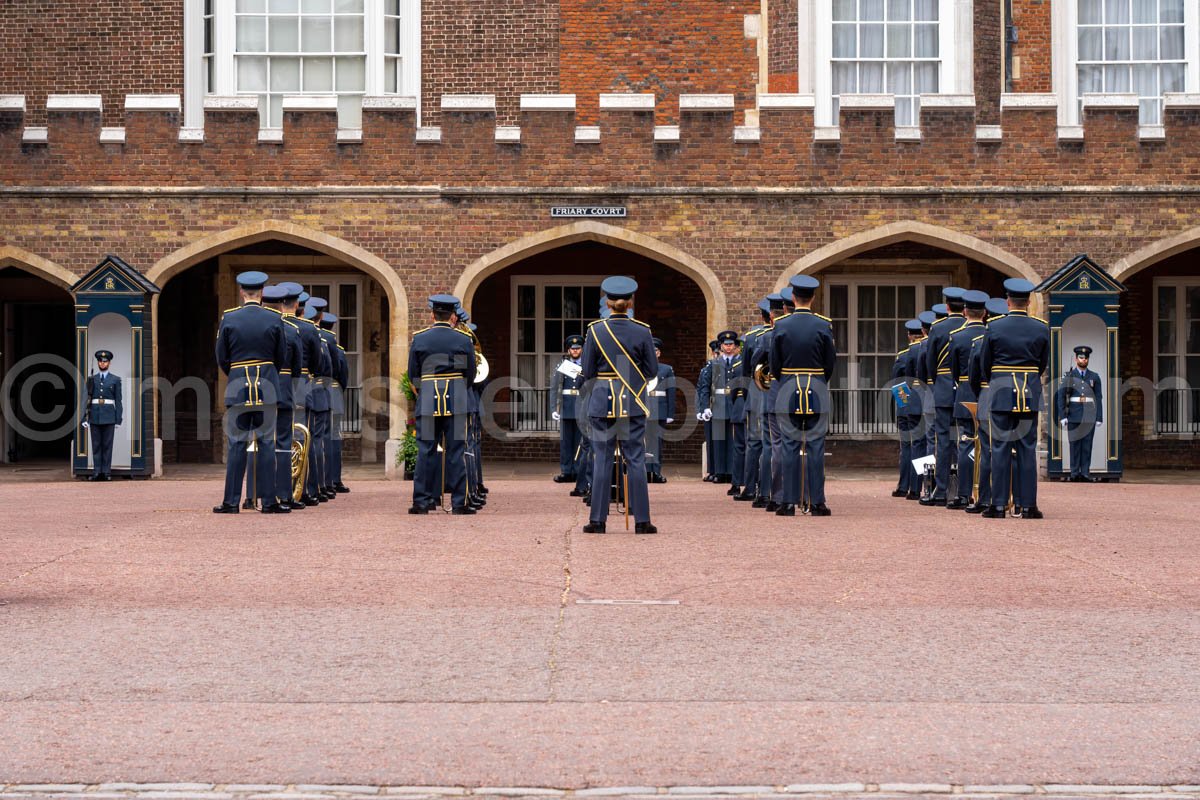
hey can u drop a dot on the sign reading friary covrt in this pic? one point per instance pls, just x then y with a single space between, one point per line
587 211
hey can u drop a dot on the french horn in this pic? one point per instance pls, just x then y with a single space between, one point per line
763 377
300 442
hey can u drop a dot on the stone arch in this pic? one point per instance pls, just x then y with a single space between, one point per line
1155 252
591 231
11 256
911 231
250 233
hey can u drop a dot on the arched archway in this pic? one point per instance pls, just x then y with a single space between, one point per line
37 357
263 235
588 231
1153 253
910 231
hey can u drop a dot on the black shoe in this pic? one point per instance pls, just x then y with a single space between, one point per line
772 507
993 512
956 504
329 494
898 493
785 510
225 508
310 500
483 489
912 496
341 488
710 478
418 510
744 496
94 478
1032 512
564 478
294 506
275 508
820 510
734 490
577 493
462 511
106 477
933 501
248 504
759 502
975 508
587 498
644 527
594 527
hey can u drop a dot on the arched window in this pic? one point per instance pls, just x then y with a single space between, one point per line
272 48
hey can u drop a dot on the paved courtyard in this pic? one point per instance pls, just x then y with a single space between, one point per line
146 640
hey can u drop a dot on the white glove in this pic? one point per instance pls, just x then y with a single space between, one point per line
707 414
1098 424
86 425
1064 423
555 416
700 416
672 419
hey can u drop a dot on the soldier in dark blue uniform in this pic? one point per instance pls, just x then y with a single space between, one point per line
1079 408
275 298
1014 358
662 412
753 474
908 410
937 366
996 307
618 362
251 350
441 365
803 356
705 379
775 413
337 403
564 402
719 403
102 415
317 405
961 343
928 443
314 357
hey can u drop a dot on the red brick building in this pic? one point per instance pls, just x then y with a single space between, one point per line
382 150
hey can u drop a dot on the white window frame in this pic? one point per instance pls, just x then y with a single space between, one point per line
224 34
850 427
956 33
1185 431
540 282
1065 55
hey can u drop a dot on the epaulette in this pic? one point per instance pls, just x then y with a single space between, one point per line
289 322
784 316
639 322
422 330
464 333
822 316
341 348
1039 319
902 352
593 322
273 310
235 308
309 321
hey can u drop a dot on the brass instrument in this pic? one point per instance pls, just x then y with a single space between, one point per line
300 442
763 377
482 368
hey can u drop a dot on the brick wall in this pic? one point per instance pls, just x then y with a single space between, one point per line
106 47
505 49
989 60
653 46
783 45
1033 21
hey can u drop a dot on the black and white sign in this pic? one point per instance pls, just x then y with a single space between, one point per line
587 211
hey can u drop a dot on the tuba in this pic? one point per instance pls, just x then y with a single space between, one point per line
763 377
300 442
481 363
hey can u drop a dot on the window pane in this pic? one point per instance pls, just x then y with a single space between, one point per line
350 111
391 7
906 302
553 301
1170 11
1193 303
391 36
1091 44
926 41
838 304
899 41
1166 337
571 302
1170 43
315 6
318 75
284 34
348 6
866 336
1167 367
925 10
845 38
316 34
899 79
927 78
251 6
284 6
871 9
1171 76
348 333
870 41
843 10
1145 12
526 301
285 74
251 34
840 336
252 74
887 336
887 302
1089 12
1116 79
898 10
527 370
553 334
526 336
1116 11
870 78
844 79
348 34
351 74
866 303
591 302
1116 44
1145 80
1091 80
1145 44
274 111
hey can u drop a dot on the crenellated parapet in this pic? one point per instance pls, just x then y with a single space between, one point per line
626 147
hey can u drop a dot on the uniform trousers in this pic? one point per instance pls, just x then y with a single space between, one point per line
804 451
775 436
569 437
318 431
1009 432
102 445
907 426
984 498
242 427
446 469
942 427
966 456
737 452
709 450
654 444
631 433
333 457
752 464
283 454
1081 435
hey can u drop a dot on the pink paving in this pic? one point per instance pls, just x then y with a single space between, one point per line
145 639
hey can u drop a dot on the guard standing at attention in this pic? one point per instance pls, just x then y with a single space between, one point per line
275 298
251 350
102 415
618 361
908 396
996 307
315 359
1079 408
937 367
318 409
337 403
564 409
961 342
705 379
441 365
803 356
1016 353
662 412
